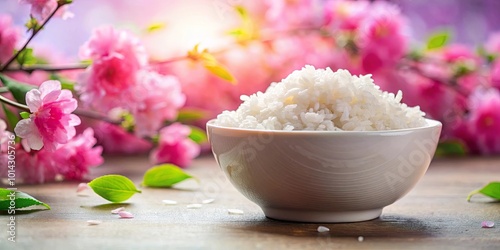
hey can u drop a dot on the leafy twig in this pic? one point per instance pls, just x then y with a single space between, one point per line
33 34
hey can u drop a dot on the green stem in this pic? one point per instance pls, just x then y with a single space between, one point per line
14 104
79 112
33 34
473 193
47 68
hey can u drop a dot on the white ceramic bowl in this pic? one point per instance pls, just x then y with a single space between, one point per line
333 176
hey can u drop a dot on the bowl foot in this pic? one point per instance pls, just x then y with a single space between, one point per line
322 216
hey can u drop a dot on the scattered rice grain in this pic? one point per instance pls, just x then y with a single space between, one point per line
93 222
169 202
322 229
207 201
235 211
194 206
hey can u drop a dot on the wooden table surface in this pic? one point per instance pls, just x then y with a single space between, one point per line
434 215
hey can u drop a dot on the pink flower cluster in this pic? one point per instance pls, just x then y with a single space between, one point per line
41 9
50 130
51 123
70 161
9 36
175 147
120 77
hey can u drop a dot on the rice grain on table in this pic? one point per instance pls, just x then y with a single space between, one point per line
320 99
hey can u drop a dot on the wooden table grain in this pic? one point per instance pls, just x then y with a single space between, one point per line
434 215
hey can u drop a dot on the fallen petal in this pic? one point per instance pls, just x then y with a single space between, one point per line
361 238
194 206
323 229
94 222
208 201
82 187
235 211
169 202
115 211
487 224
125 215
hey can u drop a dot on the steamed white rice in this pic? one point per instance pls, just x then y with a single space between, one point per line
320 99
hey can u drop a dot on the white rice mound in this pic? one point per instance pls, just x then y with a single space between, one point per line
323 100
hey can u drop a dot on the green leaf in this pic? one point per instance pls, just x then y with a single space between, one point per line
198 135
114 188
438 40
26 57
451 148
220 71
12 119
211 63
491 189
164 175
65 82
155 27
15 200
33 24
17 89
190 114
25 115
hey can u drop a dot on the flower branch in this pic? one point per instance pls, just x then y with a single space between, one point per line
35 29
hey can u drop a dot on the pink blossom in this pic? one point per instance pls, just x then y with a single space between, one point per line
157 98
175 147
51 122
283 14
493 43
115 140
117 57
494 75
382 39
76 157
41 9
484 120
345 15
9 36
33 167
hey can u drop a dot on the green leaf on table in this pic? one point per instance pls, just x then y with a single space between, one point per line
491 189
438 40
190 114
16 200
165 175
451 148
17 89
198 135
12 118
114 188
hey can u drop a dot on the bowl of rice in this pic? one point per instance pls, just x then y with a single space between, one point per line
323 146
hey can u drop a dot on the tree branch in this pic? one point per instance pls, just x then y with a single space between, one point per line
33 34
